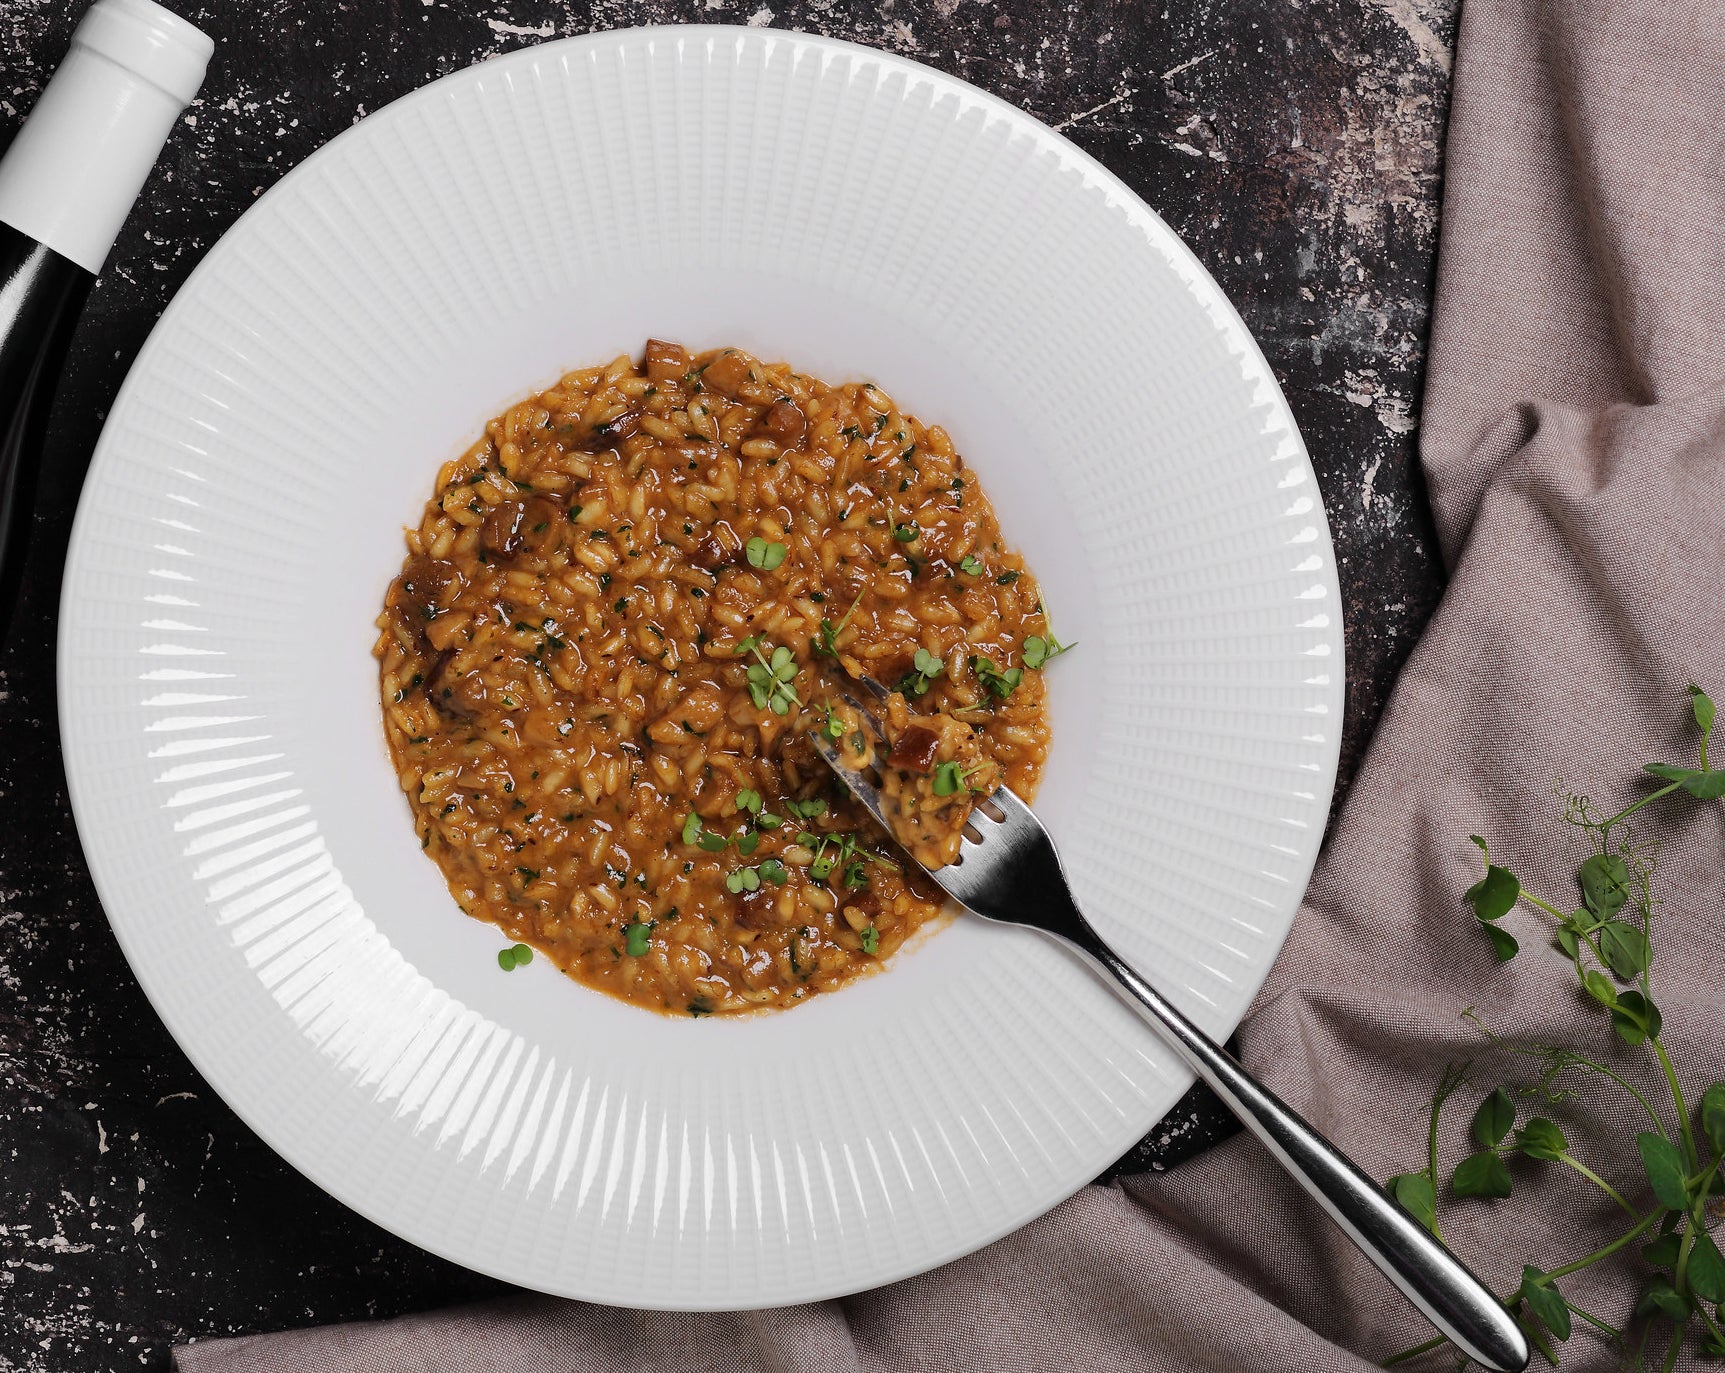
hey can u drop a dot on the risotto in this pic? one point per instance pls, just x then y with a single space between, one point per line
621 615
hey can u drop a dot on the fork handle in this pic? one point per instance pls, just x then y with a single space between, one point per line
1438 1283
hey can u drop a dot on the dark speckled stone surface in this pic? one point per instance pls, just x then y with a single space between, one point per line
1294 143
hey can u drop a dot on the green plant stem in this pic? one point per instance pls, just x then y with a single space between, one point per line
1610 1330
1604 826
1646 1105
1597 1181
1671 1350
1680 1279
1677 1100
1413 1353
1709 1322
1629 1236
1545 906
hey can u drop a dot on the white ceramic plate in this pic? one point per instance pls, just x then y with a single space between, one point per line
804 199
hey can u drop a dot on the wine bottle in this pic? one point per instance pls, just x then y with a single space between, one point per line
66 184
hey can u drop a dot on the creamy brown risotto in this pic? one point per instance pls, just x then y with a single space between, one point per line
620 615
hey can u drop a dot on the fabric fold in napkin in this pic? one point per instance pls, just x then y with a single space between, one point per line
1573 430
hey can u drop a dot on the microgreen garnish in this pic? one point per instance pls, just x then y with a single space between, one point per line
742 880
811 809
749 800
764 555
1038 649
906 533
949 777
1007 578
1607 939
871 940
691 828
997 682
772 870
636 938
515 956
827 642
770 679
971 565
925 667
842 851
833 727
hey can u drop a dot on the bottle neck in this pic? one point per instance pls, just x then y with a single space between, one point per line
76 167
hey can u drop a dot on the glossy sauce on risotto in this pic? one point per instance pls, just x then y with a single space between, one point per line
621 614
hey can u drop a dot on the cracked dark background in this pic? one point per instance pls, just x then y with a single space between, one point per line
1294 144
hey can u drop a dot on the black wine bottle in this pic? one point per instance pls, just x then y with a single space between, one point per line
66 184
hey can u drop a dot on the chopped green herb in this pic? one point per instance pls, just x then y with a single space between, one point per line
871 940
906 533
1007 578
970 565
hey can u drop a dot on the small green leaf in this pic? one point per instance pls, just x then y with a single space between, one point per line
1599 987
1706 786
1503 943
710 842
1660 1295
1625 949
1706 1268
1713 1116
1671 772
1540 1138
1414 1192
1494 1118
1493 896
772 870
871 940
523 955
1662 1253
1635 1018
1481 1175
1568 941
635 938
1664 1169
1702 704
691 828
506 959
1545 1301
1604 884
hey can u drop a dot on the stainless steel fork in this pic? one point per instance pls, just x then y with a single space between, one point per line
1011 873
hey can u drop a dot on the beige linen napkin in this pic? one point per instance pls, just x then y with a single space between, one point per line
1574 429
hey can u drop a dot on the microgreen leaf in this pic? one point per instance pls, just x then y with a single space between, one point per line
871 940
1702 706
1540 1138
1625 949
925 667
1713 1116
1663 1252
771 870
1414 1192
748 843
1481 1175
711 842
998 683
906 533
1706 1268
1503 943
1599 987
742 880
1604 884
636 938
1494 1118
1660 1295
1495 894
1568 941
1635 1018
1038 649
691 828
970 565
764 555
1545 1301
750 800
1664 1169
